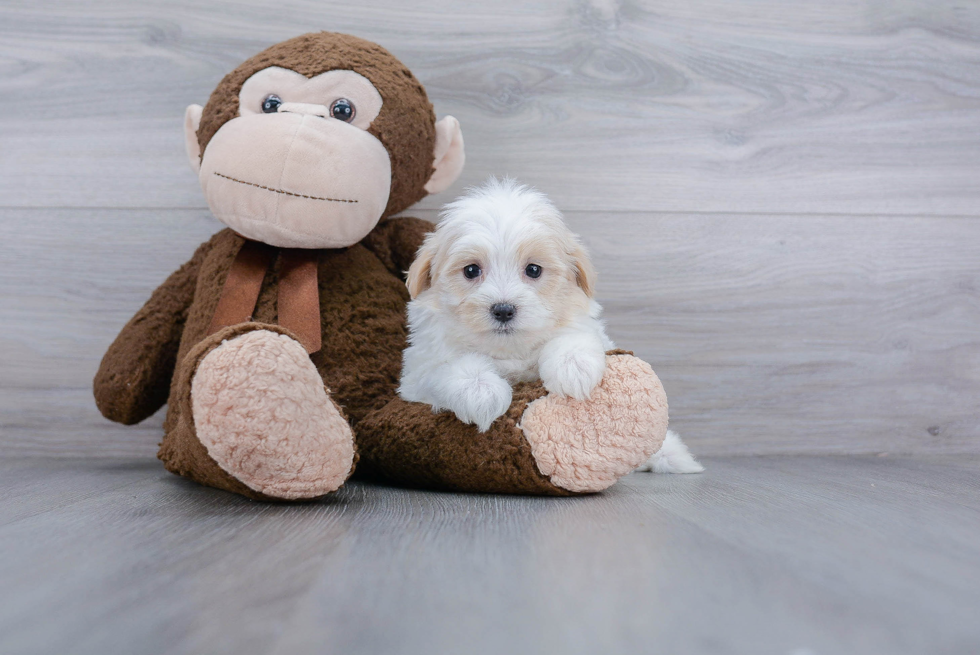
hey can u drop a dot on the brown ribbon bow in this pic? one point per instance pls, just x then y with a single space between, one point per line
298 300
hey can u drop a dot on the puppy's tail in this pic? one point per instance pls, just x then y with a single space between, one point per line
673 457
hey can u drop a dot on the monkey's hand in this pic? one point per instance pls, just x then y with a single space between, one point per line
133 380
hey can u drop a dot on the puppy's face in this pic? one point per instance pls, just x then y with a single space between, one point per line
503 269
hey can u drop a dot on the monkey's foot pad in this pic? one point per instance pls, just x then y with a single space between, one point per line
263 413
585 446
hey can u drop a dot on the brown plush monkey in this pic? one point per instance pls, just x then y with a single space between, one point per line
278 345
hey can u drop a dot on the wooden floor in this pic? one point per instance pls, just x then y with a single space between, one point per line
783 203
781 554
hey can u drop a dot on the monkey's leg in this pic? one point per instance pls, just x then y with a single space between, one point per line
542 445
254 417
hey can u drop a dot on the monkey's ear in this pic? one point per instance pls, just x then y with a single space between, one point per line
420 272
449 155
192 121
584 271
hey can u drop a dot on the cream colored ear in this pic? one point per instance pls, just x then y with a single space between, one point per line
449 155
584 271
192 121
420 272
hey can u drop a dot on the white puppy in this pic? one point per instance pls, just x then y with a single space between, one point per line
502 293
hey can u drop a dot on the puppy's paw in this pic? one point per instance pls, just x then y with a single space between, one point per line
481 399
574 373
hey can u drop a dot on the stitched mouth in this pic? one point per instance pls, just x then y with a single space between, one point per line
285 193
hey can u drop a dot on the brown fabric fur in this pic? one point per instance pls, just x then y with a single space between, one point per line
133 380
408 444
396 242
405 126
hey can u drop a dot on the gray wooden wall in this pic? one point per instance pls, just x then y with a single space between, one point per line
783 198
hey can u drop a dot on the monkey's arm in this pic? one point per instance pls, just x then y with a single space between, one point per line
396 241
134 378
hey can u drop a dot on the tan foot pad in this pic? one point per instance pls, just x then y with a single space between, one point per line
585 446
261 410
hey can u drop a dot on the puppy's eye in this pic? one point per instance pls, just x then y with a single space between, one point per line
471 272
532 270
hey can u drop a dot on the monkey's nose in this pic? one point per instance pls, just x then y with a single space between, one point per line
503 311
304 108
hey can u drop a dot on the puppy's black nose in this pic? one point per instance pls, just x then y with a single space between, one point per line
503 311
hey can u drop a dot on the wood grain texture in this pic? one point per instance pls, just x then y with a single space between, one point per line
862 555
711 105
781 199
771 334
775 334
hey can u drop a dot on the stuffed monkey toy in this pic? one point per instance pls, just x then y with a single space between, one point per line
278 345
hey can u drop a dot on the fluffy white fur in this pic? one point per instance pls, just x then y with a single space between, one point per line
460 357
463 359
673 457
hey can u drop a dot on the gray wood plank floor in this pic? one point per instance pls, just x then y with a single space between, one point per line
779 554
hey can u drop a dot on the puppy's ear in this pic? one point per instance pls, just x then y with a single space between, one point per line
584 271
420 272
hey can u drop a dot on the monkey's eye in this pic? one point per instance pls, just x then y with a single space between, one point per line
342 110
271 103
471 272
532 270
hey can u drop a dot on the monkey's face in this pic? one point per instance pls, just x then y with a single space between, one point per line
297 168
311 142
